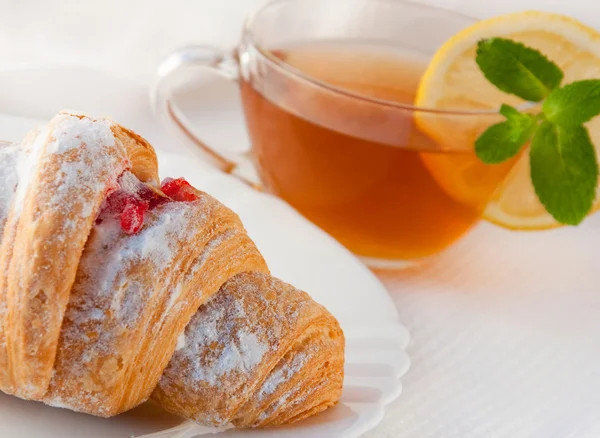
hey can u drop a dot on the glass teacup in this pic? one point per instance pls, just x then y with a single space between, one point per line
327 88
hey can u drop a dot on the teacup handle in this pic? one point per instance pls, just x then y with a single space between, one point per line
172 69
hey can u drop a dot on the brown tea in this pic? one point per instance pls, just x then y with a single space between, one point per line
360 170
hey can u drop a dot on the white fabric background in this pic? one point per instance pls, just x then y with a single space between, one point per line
506 334
138 33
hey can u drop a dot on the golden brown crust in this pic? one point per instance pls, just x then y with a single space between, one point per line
259 353
72 164
125 311
144 164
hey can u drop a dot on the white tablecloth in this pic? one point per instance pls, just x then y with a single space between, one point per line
506 341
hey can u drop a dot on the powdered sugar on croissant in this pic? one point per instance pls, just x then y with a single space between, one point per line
9 157
135 293
68 168
102 269
260 353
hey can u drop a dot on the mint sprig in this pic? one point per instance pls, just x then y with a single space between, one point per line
563 162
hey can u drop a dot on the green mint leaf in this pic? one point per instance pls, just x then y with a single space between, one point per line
517 69
505 139
574 104
564 171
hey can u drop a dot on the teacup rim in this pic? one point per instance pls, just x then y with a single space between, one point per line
279 64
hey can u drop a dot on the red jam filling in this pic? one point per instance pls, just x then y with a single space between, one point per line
132 216
178 190
131 206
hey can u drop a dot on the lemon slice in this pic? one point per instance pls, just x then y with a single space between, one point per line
453 81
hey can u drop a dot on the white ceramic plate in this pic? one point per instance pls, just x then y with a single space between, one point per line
297 252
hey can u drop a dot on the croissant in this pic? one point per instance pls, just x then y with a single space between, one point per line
115 288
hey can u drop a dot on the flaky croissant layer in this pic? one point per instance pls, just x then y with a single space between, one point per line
113 288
